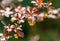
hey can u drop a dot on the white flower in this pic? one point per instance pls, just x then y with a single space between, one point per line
52 16
7 12
11 26
53 11
20 9
30 10
17 15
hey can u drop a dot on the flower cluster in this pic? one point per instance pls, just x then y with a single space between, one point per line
19 14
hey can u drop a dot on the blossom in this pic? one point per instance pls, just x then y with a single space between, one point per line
37 2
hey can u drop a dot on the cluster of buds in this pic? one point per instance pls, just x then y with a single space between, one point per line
19 14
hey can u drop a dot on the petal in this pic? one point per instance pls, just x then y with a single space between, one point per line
23 8
51 16
28 9
33 1
50 3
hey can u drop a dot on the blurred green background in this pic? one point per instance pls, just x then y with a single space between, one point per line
48 30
